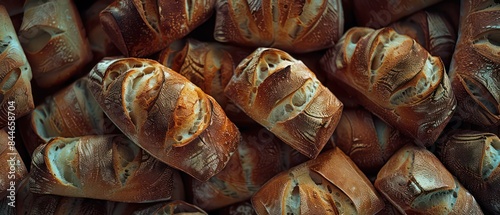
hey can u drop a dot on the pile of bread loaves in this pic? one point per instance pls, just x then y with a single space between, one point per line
249 107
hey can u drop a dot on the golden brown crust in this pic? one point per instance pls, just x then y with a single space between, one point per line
282 94
381 13
416 182
475 66
88 165
294 27
473 157
367 140
396 79
259 157
54 41
329 184
15 74
165 114
143 27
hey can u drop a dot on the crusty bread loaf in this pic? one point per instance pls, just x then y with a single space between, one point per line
416 182
366 139
475 67
431 29
165 114
259 157
54 40
28 203
209 66
71 112
395 78
141 28
381 13
283 95
108 167
15 74
474 158
287 25
329 184
12 169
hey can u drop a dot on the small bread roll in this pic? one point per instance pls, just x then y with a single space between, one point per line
329 184
416 182
288 25
165 114
108 167
475 67
282 94
366 139
474 158
396 79
71 112
54 40
142 28
16 99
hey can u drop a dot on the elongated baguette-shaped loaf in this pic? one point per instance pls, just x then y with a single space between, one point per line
71 112
210 66
395 78
284 96
15 74
366 139
141 28
381 13
165 114
13 169
329 184
475 67
54 41
474 158
259 157
108 167
416 182
283 24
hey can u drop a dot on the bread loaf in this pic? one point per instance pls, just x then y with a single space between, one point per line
209 66
284 96
141 28
12 169
15 74
395 78
287 25
329 184
109 167
366 139
416 182
240 208
71 112
259 157
475 66
165 114
381 13
54 40
431 29
474 158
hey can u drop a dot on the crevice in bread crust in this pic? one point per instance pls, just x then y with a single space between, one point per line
292 204
125 155
293 104
491 159
62 156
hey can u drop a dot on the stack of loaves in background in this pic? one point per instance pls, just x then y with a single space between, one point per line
249 107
